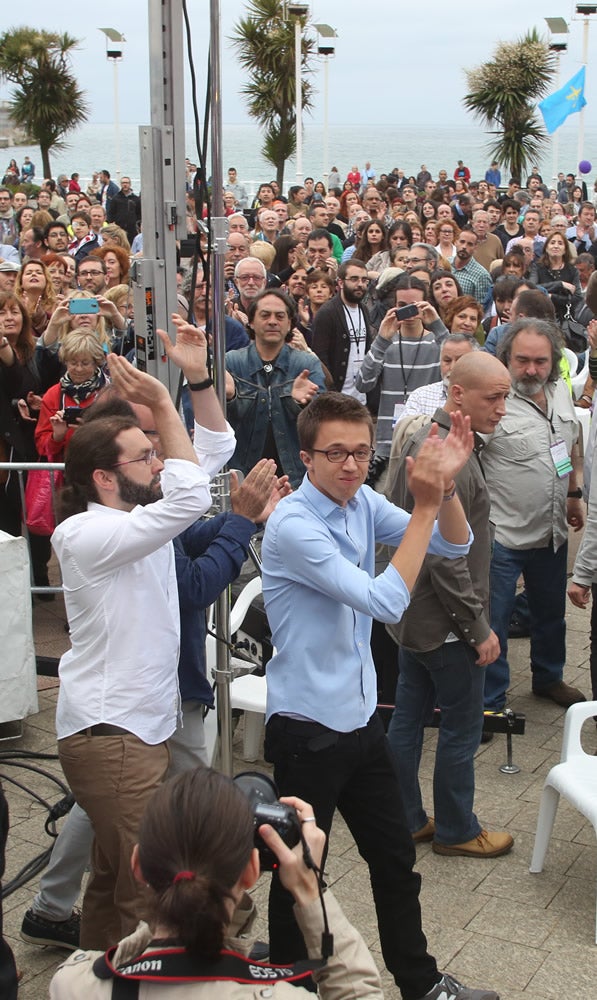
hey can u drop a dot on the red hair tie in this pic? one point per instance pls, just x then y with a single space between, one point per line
183 877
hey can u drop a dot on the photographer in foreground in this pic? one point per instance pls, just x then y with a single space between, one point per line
196 853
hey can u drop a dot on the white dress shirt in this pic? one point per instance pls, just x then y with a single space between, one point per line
121 600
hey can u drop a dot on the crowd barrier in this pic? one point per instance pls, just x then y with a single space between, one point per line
19 469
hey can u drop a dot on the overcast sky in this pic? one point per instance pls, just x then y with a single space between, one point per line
395 62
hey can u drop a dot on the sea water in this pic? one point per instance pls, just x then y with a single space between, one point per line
93 147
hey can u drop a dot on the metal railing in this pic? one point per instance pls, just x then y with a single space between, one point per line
19 468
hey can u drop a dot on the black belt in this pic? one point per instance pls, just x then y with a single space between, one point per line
103 729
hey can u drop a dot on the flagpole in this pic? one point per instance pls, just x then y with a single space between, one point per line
557 26
555 142
581 120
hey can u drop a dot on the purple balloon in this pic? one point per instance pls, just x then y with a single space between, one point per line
585 167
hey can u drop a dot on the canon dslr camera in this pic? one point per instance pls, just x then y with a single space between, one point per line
262 794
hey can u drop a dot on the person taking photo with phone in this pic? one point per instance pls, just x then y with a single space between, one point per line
82 312
404 356
63 403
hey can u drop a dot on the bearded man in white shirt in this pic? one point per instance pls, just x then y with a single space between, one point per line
119 700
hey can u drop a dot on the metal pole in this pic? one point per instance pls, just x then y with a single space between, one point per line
298 99
326 138
555 142
162 147
116 120
581 117
219 229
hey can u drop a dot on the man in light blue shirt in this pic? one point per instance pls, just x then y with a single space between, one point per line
493 175
323 734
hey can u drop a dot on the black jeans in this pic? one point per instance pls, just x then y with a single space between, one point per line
355 773
8 969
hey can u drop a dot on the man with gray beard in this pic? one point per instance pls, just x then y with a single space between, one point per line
529 466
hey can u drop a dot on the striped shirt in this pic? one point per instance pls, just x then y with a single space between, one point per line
401 366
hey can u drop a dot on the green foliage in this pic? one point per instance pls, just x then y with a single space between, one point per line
27 187
46 100
503 94
264 43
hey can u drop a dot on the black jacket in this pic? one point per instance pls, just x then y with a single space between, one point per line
125 211
331 343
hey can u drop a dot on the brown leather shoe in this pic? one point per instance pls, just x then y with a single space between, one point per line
426 833
485 845
563 694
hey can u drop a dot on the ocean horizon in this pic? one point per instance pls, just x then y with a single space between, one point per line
92 147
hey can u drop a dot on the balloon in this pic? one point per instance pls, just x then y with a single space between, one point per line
585 167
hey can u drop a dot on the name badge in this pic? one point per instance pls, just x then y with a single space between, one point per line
398 409
561 459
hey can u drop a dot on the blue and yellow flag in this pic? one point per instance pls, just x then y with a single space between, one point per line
566 101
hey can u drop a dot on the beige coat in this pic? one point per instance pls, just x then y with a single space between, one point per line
349 974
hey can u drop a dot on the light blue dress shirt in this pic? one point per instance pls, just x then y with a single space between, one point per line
321 592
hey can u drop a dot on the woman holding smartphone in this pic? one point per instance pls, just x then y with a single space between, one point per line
63 403
81 312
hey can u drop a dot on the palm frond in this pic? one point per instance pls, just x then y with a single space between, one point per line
46 100
503 93
264 43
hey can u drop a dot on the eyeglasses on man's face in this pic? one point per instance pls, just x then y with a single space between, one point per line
147 457
340 455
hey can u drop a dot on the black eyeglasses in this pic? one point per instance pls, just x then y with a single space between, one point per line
339 455
147 457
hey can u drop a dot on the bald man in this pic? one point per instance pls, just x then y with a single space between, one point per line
445 637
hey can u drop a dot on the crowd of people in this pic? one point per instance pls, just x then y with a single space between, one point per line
399 352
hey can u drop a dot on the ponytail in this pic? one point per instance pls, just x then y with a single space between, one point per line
195 841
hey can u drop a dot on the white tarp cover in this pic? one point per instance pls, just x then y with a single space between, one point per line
18 679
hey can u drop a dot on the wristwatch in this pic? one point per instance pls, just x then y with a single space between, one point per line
575 494
199 386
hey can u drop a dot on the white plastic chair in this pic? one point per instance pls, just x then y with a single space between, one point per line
584 420
248 692
575 777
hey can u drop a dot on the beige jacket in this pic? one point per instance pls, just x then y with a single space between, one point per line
349 974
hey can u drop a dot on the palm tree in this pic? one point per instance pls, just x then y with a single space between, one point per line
46 102
264 42
503 94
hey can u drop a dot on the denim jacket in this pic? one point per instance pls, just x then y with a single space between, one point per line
256 404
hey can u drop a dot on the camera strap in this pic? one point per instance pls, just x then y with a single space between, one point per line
176 965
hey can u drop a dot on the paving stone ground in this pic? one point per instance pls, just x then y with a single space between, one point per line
491 923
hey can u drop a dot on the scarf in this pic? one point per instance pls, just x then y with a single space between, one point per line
84 389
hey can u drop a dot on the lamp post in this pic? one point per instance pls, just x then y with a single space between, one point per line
557 26
298 11
114 44
584 10
325 31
